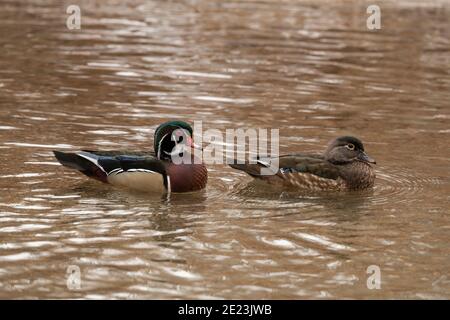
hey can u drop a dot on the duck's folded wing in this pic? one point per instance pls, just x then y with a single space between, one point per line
143 173
293 163
121 163
113 161
114 153
314 165
132 169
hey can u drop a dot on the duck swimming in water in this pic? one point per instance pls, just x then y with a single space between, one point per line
343 166
144 171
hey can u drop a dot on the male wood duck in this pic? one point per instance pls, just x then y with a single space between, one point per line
343 166
145 171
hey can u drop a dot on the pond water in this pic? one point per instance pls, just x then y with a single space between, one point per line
310 69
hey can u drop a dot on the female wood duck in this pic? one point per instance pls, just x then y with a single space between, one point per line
343 166
145 171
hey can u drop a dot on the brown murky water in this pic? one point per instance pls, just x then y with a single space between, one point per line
310 69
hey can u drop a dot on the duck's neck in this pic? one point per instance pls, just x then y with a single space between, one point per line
357 175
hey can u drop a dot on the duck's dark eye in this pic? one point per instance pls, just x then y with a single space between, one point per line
350 146
178 136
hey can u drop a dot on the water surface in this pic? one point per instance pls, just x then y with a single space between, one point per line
310 69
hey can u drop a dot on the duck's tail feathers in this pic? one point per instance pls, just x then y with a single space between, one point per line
84 162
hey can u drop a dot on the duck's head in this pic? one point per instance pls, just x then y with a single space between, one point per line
169 134
345 150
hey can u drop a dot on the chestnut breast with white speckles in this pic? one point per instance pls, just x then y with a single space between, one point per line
187 177
354 176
